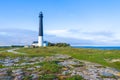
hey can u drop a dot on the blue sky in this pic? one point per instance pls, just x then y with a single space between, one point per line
78 22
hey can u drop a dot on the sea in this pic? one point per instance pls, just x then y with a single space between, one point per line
88 47
99 47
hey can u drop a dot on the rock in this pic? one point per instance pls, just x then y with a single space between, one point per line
64 68
71 67
3 73
17 72
41 59
23 64
65 72
9 60
6 78
118 74
106 74
8 64
73 73
16 60
59 56
34 76
4 69
115 60
33 59
20 77
38 66
1 61
30 69
16 64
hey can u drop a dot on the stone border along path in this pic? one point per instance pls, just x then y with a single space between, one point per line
71 66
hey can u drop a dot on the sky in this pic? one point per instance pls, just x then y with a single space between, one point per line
78 22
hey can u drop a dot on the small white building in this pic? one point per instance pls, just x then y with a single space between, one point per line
36 44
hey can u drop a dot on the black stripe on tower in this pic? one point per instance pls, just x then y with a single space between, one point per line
41 24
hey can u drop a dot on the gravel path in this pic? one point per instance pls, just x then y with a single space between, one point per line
14 51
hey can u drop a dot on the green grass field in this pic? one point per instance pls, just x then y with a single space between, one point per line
98 56
49 69
92 55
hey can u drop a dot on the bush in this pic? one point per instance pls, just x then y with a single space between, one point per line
59 44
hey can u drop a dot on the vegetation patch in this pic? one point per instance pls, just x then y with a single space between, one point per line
92 55
51 67
48 77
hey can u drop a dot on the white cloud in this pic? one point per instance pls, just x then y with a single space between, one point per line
56 32
100 37
3 33
73 36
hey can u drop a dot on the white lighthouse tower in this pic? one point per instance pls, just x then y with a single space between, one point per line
40 36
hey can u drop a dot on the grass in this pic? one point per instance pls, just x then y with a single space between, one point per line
92 55
8 54
34 52
3 49
48 77
51 67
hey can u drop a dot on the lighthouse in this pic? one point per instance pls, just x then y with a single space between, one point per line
40 35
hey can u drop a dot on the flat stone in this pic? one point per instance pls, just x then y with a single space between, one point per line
65 72
30 69
38 66
6 78
8 64
34 76
20 77
3 73
17 70
65 69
